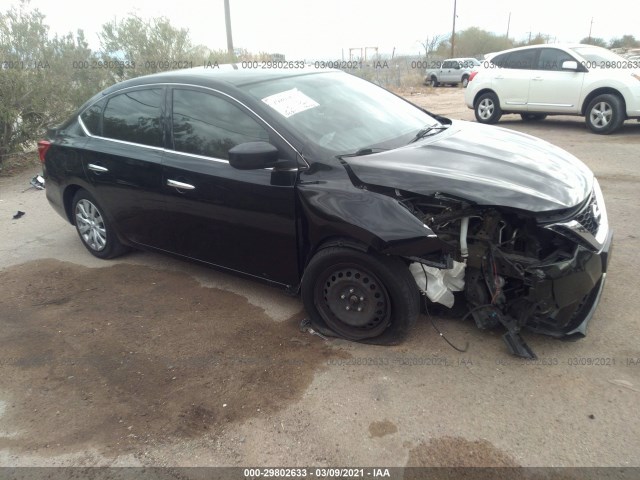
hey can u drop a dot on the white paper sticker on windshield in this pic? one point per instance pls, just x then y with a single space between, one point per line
290 102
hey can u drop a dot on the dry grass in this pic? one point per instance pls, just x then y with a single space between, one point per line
14 164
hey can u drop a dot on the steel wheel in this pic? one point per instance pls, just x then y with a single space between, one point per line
353 301
360 296
487 109
605 113
91 225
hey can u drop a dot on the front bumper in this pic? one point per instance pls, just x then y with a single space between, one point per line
570 292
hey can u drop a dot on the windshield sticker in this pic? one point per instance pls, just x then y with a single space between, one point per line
290 102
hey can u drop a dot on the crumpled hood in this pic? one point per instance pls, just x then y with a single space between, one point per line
483 164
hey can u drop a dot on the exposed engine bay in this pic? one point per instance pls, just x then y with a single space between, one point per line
512 270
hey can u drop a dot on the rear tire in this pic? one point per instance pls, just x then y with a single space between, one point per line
487 108
605 114
359 296
93 228
465 81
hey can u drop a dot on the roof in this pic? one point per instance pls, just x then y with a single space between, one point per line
227 74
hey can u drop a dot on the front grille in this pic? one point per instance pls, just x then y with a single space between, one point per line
589 217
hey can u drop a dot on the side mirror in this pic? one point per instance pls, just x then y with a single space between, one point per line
253 156
570 65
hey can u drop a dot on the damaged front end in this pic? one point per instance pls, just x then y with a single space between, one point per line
518 269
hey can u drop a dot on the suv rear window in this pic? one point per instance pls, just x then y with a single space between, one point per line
522 60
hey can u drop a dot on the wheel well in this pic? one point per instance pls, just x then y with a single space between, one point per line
433 77
341 242
601 91
480 93
67 199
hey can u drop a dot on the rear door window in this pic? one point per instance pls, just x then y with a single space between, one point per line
522 60
134 116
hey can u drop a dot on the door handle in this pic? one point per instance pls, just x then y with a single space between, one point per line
180 185
97 168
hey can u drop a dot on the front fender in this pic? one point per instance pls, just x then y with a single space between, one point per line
378 221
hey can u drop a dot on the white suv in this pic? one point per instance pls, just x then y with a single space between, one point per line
543 80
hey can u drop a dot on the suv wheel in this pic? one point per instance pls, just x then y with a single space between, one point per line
434 82
487 108
605 114
360 296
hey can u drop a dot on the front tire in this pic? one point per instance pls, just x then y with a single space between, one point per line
359 296
605 114
487 108
93 227
434 82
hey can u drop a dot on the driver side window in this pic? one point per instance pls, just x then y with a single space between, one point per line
204 124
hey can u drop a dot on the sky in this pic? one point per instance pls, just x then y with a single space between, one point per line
313 29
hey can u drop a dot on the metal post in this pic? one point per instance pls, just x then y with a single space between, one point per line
227 20
453 32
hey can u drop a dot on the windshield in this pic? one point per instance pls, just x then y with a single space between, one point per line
341 113
597 54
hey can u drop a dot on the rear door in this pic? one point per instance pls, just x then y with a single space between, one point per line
122 160
244 220
511 81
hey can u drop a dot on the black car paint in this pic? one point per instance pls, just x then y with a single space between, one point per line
483 165
268 223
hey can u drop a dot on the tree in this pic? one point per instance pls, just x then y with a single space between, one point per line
539 39
430 44
474 42
43 80
597 41
626 41
142 47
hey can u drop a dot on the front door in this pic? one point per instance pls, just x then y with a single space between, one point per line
243 220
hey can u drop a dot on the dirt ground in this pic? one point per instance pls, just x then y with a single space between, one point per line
146 360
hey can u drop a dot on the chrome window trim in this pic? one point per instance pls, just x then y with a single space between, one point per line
125 142
89 134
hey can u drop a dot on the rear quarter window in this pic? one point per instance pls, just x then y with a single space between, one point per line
91 118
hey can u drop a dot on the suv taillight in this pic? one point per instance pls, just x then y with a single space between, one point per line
43 146
473 75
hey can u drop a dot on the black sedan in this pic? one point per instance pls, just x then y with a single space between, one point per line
324 184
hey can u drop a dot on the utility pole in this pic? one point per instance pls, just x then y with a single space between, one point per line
590 28
508 25
227 20
453 32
